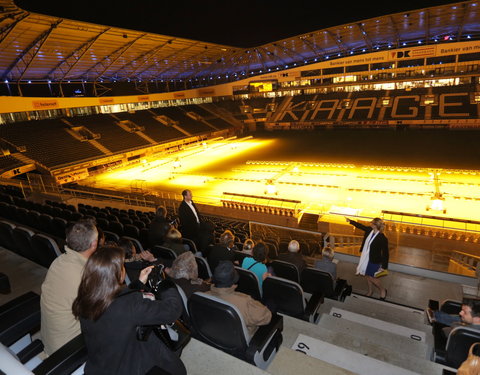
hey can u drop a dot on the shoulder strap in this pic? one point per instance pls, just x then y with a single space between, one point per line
251 265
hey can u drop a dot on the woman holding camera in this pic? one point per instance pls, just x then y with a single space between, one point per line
110 313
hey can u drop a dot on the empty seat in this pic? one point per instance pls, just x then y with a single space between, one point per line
131 231
220 324
6 235
248 283
45 249
116 227
19 317
58 227
286 270
204 271
163 252
314 280
102 223
23 246
458 344
45 223
287 297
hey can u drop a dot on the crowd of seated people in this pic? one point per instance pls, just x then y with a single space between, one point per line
95 307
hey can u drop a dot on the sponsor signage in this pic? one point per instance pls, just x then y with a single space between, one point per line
45 104
104 101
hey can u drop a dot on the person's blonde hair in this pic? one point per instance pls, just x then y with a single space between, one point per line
173 234
379 224
248 245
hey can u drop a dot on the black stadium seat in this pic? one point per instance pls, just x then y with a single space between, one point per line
286 297
19 317
313 281
248 283
22 237
204 271
220 324
45 248
6 235
163 252
58 227
458 344
286 270
131 230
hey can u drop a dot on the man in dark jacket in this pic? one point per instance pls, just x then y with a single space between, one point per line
293 256
189 217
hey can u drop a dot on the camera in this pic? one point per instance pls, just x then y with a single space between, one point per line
156 277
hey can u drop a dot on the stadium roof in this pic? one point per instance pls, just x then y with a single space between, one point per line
36 47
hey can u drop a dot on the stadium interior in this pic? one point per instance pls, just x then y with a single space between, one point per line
108 123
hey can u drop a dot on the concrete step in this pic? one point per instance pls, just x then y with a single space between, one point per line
289 361
363 345
376 336
384 307
361 361
372 312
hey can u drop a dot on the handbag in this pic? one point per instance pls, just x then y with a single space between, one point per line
471 366
175 335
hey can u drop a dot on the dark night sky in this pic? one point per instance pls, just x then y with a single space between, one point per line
243 23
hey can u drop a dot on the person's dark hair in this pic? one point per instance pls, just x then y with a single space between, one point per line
101 237
185 192
161 212
81 235
101 281
127 246
260 252
475 306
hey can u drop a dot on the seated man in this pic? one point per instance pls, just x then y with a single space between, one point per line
253 312
293 256
223 250
468 316
59 290
326 264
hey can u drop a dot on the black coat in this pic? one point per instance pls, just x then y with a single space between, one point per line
294 258
189 225
157 230
218 253
378 247
111 340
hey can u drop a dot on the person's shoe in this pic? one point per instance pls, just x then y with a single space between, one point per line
383 298
430 315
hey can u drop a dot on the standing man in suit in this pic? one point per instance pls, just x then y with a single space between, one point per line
189 218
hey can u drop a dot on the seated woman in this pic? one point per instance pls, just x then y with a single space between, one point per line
256 264
173 241
184 272
110 313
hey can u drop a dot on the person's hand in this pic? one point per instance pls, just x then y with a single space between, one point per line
144 274
148 256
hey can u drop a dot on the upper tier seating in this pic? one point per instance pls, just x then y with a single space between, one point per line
113 137
48 142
